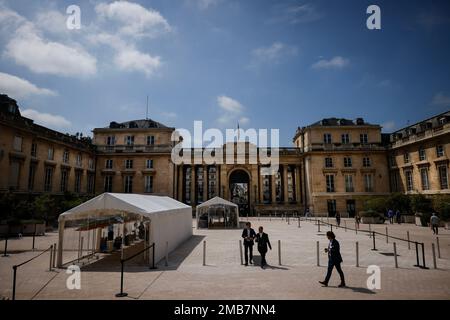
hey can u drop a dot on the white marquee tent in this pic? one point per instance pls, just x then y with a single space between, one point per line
170 220
217 212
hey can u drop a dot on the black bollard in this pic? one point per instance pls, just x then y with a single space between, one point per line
423 257
121 294
417 255
373 237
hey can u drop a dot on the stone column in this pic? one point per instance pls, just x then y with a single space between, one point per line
285 184
273 189
298 185
261 185
205 183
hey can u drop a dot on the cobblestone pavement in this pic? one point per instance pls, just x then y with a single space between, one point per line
224 277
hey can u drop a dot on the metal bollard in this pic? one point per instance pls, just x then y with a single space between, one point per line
204 253
54 256
417 255
318 226
373 239
299 222
395 255
409 244
167 254
423 256
318 254
434 256
356 228
370 230
288 220
279 252
387 236
357 254
51 259
240 252
438 248
345 225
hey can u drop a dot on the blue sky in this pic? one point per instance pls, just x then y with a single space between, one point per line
266 64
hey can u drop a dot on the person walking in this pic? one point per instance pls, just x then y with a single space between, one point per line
334 260
338 219
398 216
357 221
434 223
390 215
249 235
263 242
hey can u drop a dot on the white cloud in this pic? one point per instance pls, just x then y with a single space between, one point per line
47 119
229 104
29 49
244 120
389 126
272 54
135 20
295 14
134 60
334 63
52 21
441 100
18 88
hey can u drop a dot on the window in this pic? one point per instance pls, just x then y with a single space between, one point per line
267 189
64 179
443 177
90 183
212 182
367 162
77 187
14 174
150 140
278 187
328 162
128 184
91 164
349 183
330 182
347 162
422 154
439 151
409 180
291 183
17 144
50 154
31 176
110 140
34 150
345 138
424 178
149 184
199 177
187 185
363 138
327 138
109 164
108 183
79 160
368 182
129 140
392 161
149 164
128 164
406 157
65 156
48 180
395 181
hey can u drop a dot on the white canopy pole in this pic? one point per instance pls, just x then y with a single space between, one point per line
60 243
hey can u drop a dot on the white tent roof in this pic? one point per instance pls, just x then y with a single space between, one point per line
119 203
216 201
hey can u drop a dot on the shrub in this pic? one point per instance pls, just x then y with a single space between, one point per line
399 201
420 203
370 214
376 204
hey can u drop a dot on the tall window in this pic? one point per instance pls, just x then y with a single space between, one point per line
129 140
110 140
330 182
128 184
440 151
91 163
409 180
77 187
150 140
348 162
392 161
422 154
14 173
199 179
443 177
187 185
65 156
327 138
368 182
31 176
50 154
291 184
149 164
363 138
367 162
79 160
17 143
148 184
212 182
48 179
108 183
424 179
349 183
128 164
406 157
395 181
328 162
90 183
34 149
267 189
64 179
345 138
278 187
109 164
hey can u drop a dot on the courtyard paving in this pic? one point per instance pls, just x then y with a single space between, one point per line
224 277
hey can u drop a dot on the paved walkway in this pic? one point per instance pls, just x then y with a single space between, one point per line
224 278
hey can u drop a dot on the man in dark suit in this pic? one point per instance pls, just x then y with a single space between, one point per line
263 242
334 259
249 235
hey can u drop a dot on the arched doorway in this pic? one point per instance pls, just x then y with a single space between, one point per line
239 183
